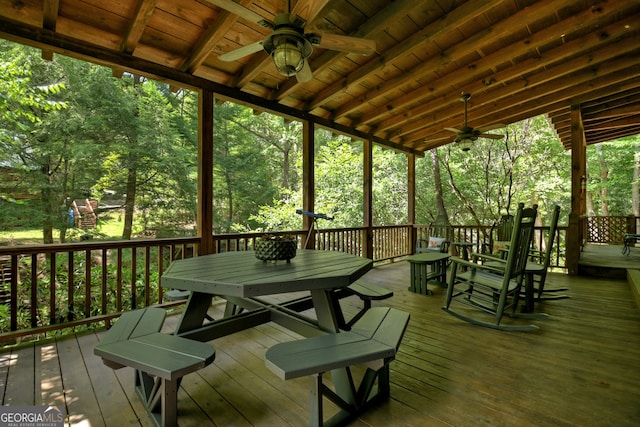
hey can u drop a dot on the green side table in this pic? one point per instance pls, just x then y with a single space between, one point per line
428 268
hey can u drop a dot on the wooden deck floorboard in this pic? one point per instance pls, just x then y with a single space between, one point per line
580 369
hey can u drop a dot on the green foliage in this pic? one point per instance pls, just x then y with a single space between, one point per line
529 165
610 176
70 130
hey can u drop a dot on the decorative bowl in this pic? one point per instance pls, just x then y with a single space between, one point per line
275 249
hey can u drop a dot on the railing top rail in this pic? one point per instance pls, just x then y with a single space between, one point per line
103 244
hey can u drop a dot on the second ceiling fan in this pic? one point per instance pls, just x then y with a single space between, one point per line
467 135
288 45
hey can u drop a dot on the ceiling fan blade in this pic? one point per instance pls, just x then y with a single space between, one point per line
344 43
241 11
491 127
453 130
241 52
305 74
491 136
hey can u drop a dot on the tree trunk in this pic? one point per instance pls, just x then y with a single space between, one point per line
51 211
590 209
604 181
437 181
129 203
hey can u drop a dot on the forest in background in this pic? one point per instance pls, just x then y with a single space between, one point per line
71 130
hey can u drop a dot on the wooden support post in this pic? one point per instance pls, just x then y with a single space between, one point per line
575 231
308 179
205 172
411 202
367 197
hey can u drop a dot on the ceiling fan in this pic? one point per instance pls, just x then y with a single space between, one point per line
288 45
467 135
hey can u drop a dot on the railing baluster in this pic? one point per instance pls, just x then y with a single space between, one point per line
52 289
134 296
119 280
14 293
104 282
87 284
70 286
147 271
34 289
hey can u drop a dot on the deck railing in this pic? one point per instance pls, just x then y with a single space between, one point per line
610 230
46 288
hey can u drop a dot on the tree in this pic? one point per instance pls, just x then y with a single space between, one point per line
528 165
610 181
150 162
34 148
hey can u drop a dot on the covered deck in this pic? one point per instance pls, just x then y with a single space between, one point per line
581 368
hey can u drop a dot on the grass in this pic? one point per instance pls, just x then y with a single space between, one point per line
108 228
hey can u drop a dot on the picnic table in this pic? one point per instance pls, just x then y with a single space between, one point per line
241 279
245 281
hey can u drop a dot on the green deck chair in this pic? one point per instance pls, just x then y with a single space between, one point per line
485 289
540 268
437 239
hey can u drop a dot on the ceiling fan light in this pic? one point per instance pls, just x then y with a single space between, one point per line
465 144
287 58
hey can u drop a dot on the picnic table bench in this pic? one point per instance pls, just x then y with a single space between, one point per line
373 341
160 360
364 290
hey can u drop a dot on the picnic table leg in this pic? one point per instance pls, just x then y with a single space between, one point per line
315 403
169 403
195 312
327 320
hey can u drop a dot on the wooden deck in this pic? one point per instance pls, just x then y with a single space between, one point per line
581 369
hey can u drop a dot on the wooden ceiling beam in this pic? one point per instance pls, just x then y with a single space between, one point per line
613 111
50 10
633 120
557 100
562 124
205 45
137 25
213 34
470 11
477 83
607 126
534 86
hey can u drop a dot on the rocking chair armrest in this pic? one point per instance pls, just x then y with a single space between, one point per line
475 256
476 266
460 261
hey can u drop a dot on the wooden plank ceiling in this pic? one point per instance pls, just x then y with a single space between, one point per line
517 58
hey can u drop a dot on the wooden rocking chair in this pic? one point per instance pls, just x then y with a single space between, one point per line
438 238
538 271
499 236
495 290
